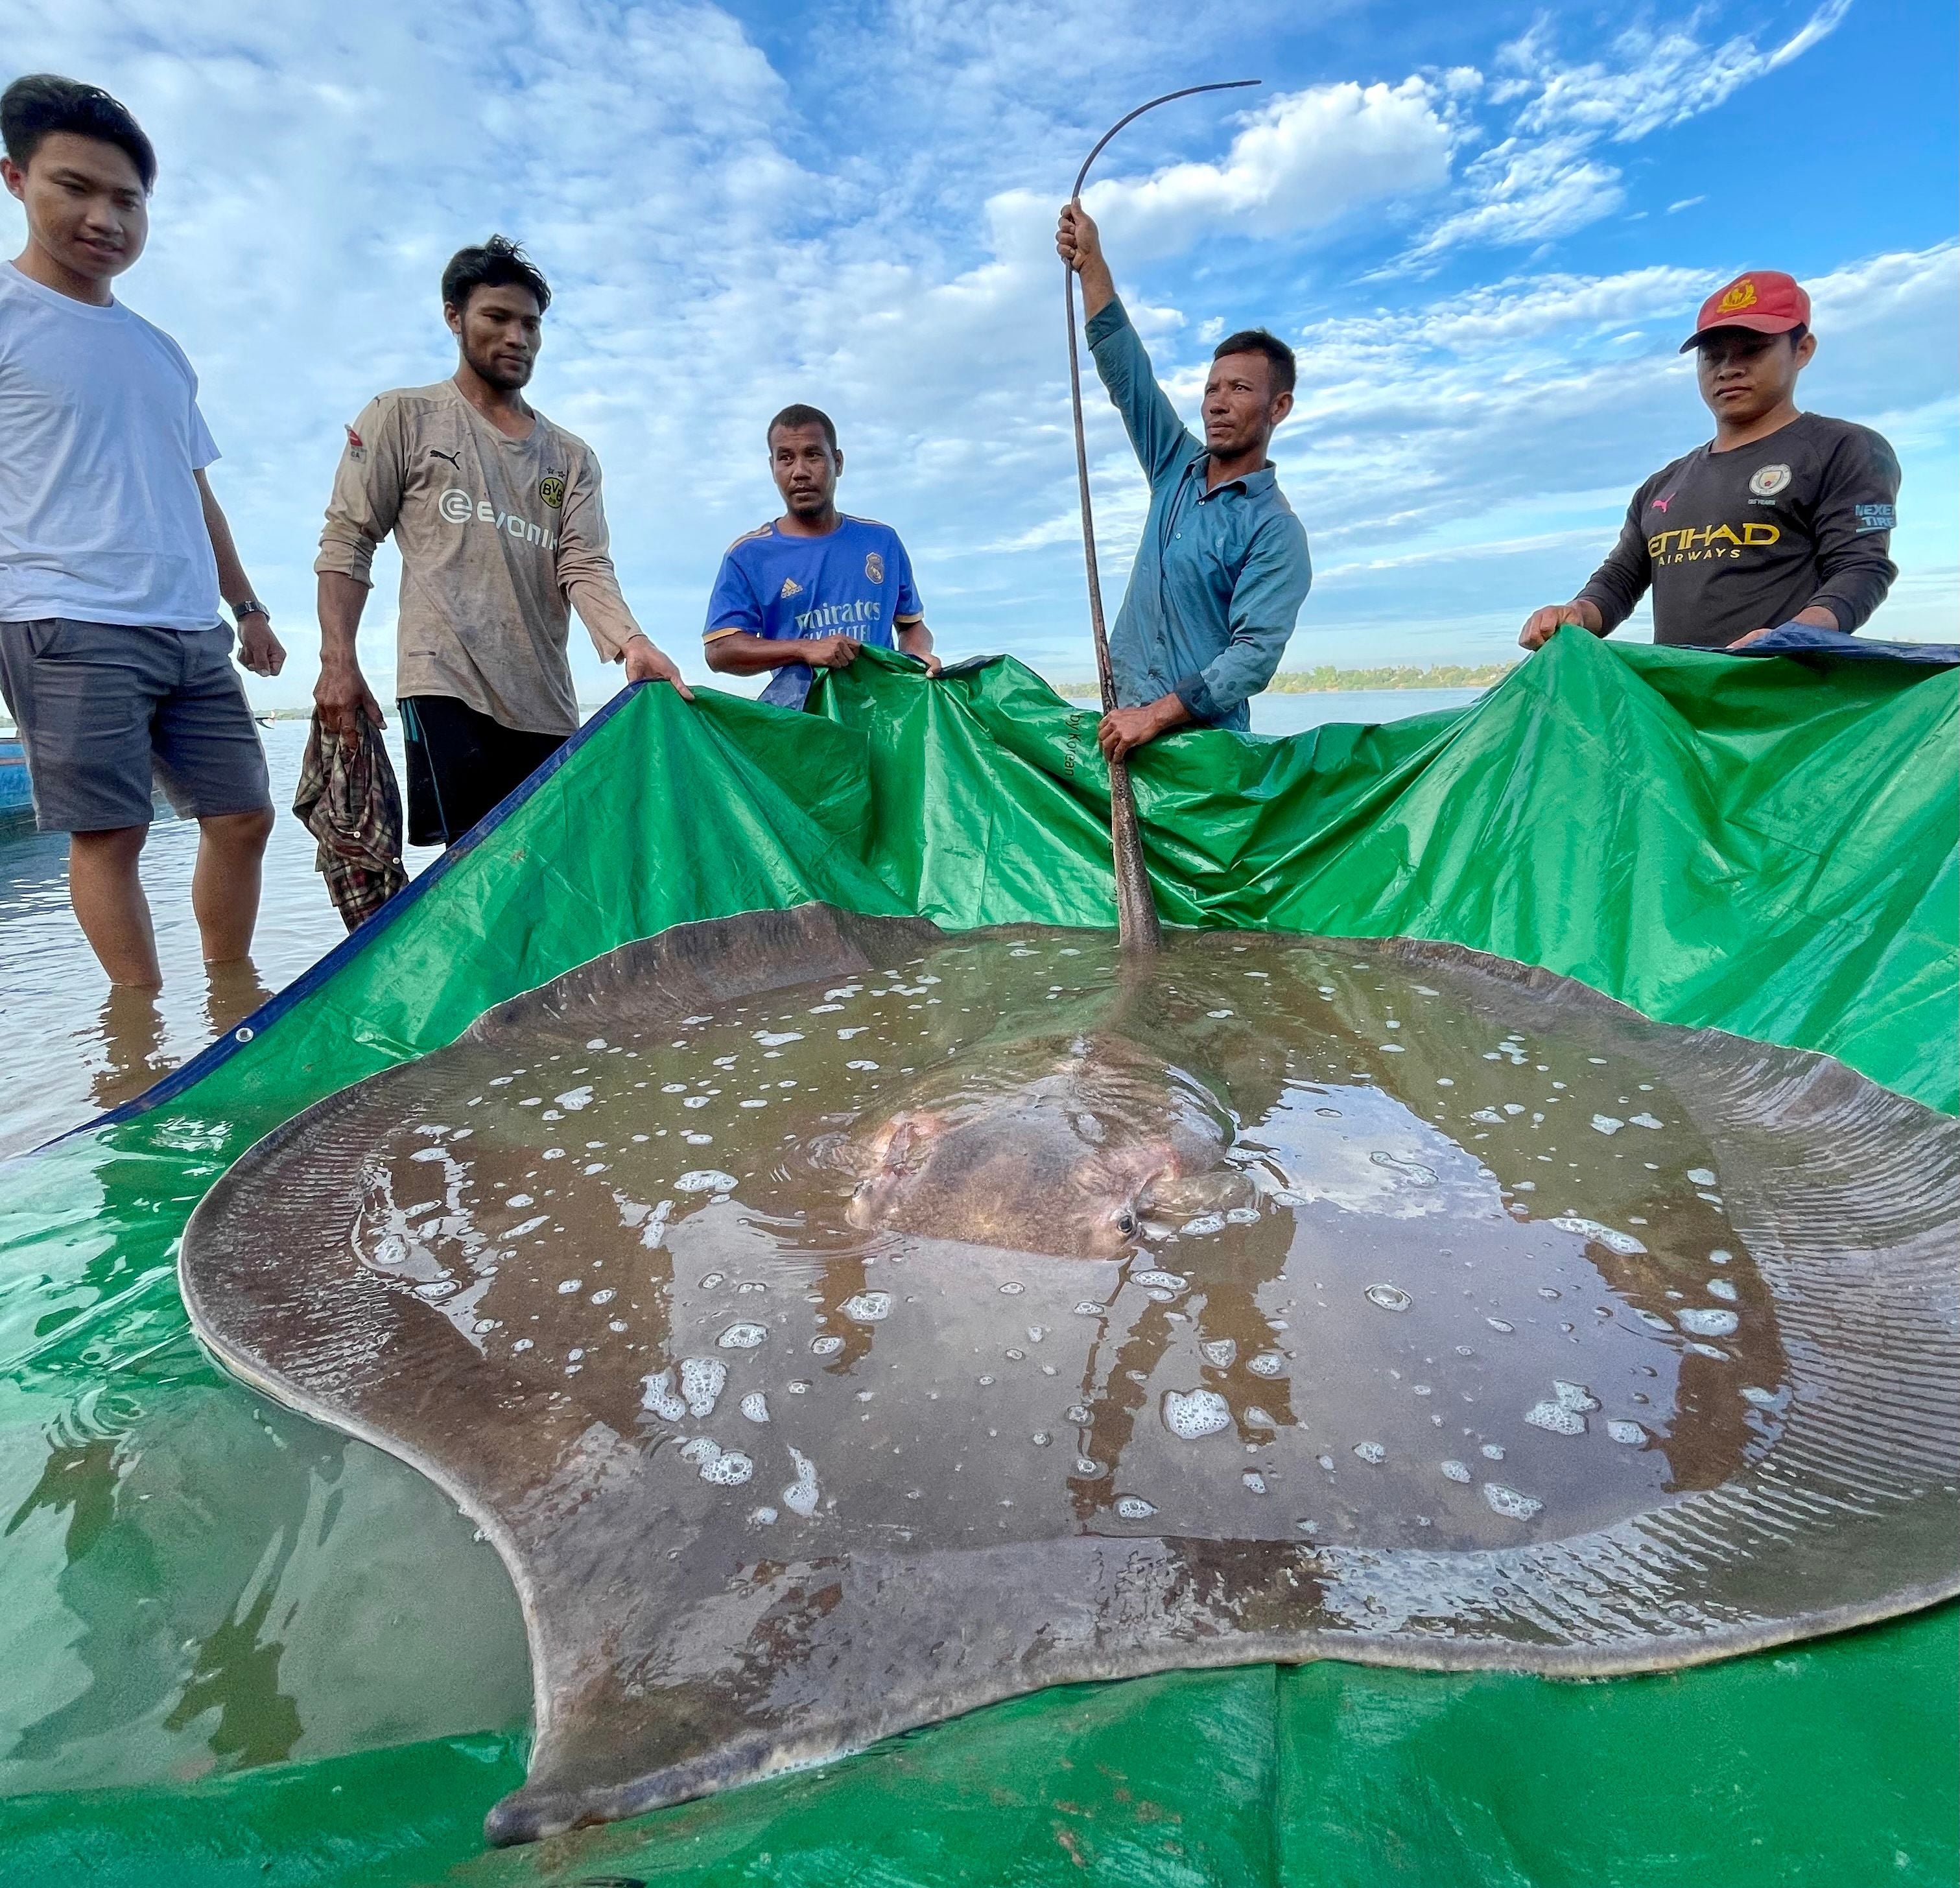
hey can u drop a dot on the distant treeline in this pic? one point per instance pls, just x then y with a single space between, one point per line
1328 679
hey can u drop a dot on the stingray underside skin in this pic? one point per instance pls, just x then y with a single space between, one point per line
907 1574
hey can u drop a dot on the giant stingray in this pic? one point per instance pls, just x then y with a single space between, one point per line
1376 1301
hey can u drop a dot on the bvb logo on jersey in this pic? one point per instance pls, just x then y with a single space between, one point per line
1743 295
552 490
874 567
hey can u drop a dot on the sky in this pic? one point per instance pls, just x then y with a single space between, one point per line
1484 227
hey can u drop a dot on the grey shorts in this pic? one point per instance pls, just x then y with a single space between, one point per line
103 709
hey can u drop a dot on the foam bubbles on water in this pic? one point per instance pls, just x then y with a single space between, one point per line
1134 1507
1495 1450
1267 1363
658 1397
1699 1176
1012 1289
1510 1503
704 1179
1630 1434
701 1379
742 1337
1625 1244
1556 1419
1220 1350
1707 1324
1457 1472
1763 1398
1388 1297
1255 1482
826 1346
756 1406
1158 1281
1574 1396
725 1468
1204 1223
1371 1451
868 1307
1722 1288
801 1497
1192 1414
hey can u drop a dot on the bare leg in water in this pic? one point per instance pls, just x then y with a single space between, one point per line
109 904
224 888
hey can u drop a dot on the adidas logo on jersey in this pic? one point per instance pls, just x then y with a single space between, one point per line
791 588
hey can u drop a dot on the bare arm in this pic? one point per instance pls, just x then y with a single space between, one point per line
261 651
342 695
739 653
915 639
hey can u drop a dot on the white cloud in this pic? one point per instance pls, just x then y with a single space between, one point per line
1302 162
1657 76
1544 180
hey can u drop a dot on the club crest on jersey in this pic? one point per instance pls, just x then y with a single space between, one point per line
356 449
791 588
1743 295
874 567
551 489
1766 481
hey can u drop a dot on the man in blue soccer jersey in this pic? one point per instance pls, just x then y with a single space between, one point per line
808 590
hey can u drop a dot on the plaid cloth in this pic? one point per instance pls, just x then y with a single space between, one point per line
348 801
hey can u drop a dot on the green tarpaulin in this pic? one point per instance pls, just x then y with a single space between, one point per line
238 1649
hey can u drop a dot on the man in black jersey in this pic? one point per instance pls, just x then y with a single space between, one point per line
1783 516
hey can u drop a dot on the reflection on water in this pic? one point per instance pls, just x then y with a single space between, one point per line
74 1045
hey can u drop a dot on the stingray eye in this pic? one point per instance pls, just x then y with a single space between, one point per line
1126 1224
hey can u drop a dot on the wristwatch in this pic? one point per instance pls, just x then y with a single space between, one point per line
249 606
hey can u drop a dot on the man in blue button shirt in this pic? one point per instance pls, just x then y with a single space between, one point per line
1222 569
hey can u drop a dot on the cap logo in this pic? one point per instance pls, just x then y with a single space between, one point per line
1740 296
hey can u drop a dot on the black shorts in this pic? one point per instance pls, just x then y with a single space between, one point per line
461 764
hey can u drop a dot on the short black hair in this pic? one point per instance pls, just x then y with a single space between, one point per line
498 263
39 103
797 414
1257 341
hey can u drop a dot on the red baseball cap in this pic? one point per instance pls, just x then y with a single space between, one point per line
1765 300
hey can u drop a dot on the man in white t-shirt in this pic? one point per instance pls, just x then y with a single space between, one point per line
113 552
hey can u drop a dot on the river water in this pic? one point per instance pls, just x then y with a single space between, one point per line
78 1047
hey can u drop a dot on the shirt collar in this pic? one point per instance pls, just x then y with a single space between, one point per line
1251 485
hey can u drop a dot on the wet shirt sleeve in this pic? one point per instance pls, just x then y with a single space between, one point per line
1161 442
367 495
1272 584
584 564
1622 580
1856 508
732 609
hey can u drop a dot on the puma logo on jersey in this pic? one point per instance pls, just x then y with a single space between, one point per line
791 588
435 452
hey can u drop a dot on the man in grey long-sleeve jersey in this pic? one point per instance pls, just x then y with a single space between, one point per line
1782 518
1222 569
